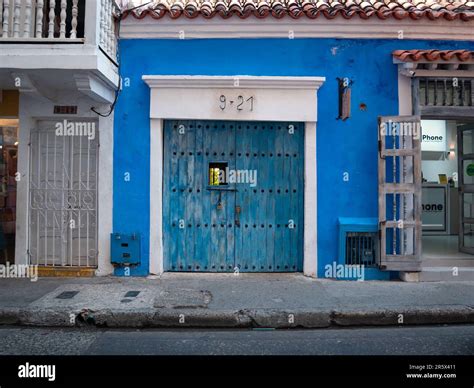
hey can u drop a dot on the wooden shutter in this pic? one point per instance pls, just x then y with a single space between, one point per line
399 171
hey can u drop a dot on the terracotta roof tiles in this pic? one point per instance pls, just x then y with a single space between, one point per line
365 9
433 55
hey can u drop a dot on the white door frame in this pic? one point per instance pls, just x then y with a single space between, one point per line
28 118
197 97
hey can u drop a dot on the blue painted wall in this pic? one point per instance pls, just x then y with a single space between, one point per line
349 146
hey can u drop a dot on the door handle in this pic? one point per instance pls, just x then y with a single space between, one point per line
238 209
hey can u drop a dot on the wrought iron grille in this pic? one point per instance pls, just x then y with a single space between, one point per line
361 248
62 199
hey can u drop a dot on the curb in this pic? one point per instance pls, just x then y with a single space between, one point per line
250 318
10 316
420 316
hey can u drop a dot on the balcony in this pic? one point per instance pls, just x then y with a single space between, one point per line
68 39
59 21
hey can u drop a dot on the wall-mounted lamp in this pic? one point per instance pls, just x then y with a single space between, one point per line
451 154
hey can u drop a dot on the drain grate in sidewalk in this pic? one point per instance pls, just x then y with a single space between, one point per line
130 294
67 294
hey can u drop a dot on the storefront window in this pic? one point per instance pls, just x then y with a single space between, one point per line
8 187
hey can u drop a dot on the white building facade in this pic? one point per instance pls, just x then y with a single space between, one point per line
58 80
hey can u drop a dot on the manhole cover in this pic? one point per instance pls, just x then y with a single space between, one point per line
132 294
67 294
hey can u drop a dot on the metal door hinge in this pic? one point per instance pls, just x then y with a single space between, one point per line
380 149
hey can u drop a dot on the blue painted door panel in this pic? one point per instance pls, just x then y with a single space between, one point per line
254 223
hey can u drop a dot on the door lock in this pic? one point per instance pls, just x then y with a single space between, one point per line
237 215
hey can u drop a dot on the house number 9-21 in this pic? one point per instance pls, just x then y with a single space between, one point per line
240 103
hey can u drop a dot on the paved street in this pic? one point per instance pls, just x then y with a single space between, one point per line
421 340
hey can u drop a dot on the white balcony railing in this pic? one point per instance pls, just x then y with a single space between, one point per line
108 38
27 20
60 21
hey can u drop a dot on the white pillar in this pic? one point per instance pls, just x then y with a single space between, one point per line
156 196
310 258
105 194
26 124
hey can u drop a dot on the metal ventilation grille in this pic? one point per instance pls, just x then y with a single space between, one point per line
361 248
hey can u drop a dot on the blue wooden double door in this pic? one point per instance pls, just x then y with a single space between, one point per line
233 196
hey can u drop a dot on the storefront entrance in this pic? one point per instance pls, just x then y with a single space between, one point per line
448 193
8 188
233 196
9 177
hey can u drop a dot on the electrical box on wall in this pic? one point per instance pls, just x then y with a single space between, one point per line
125 249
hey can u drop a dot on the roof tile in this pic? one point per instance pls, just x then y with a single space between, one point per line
382 9
433 55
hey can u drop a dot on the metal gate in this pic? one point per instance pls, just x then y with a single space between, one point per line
399 178
63 194
465 139
233 196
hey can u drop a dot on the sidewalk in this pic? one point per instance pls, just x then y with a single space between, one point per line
226 300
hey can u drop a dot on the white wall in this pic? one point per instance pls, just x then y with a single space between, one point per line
434 163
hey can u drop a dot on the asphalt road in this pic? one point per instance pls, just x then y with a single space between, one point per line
433 340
